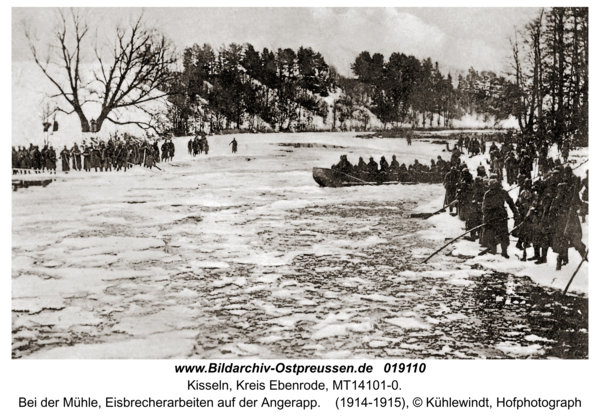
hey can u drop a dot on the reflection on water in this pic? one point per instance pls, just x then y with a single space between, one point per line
23 184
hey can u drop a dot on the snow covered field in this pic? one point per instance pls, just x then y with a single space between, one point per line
243 255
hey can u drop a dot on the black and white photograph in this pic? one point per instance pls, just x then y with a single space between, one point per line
300 183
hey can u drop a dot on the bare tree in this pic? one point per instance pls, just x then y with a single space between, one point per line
129 71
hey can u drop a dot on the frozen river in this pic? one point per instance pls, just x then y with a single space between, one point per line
243 255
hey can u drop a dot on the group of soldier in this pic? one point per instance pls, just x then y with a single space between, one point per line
393 171
118 153
546 214
471 144
32 159
198 145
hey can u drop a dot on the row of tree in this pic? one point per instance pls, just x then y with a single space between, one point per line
549 88
404 89
546 91
238 85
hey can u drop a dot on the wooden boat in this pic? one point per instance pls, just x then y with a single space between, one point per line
327 177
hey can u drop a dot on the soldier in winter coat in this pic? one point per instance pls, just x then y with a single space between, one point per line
384 164
450 183
76 154
372 167
565 222
233 146
495 216
51 159
65 156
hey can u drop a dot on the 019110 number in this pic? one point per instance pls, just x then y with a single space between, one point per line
404 367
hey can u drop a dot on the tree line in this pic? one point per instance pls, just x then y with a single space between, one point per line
239 86
404 89
549 87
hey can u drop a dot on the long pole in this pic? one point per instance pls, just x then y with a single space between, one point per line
576 271
514 187
336 171
441 210
455 239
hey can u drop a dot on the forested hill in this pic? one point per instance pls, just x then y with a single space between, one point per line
545 90
240 87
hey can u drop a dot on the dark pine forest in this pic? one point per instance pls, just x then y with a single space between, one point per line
239 87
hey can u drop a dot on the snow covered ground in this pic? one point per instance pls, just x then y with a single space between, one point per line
243 255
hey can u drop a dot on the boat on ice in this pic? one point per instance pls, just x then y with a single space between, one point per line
327 177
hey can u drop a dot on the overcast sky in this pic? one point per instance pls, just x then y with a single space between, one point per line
456 37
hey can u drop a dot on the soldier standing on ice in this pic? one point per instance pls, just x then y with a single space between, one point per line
526 203
65 156
164 148
25 161
495 216
150 153
171 149
51 160
102 157
498 165
76 153
450 183
87 157
511 165
464 194
455 158
233 146
37 159
44 163
95 157
196 147
565 223
474 215
155 151
122 156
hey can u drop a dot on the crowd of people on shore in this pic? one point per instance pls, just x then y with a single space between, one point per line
118 153
551 200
